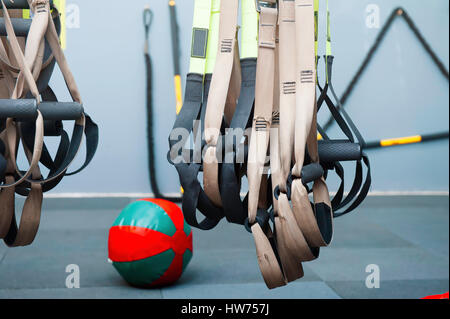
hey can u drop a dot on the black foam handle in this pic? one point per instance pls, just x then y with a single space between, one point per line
312 172
61 111
24 109
339 151
20 4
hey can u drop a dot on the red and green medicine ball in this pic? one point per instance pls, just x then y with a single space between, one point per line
150 244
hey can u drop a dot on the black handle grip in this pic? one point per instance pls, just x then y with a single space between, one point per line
26 109
339 151
312 172
61 111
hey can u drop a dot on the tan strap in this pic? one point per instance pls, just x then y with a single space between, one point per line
288 81
259 143
221 86
306 127
262 120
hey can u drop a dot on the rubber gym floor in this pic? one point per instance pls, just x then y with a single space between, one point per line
406 236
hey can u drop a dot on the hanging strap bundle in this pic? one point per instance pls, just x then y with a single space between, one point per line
29 111
250 112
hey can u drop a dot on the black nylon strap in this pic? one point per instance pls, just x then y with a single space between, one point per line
236 211
194 196
346 124
92 136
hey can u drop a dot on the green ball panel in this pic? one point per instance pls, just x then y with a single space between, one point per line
187 228
147 215
145 271
186 258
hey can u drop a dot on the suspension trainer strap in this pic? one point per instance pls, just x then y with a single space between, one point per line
25 118
206 14
259 142
233 167
360 187
32 209
316 223
224 87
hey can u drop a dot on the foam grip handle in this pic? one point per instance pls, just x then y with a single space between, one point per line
339 151
312 172
24 109
61 111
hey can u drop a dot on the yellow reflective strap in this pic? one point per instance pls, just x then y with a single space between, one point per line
249 35
401 141
200 28
213 41
60 5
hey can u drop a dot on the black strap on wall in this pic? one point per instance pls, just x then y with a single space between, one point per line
148 18
396 13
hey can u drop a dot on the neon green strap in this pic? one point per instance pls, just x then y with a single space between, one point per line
213 42
249 35
200 34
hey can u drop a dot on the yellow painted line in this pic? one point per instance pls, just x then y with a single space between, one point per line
401 141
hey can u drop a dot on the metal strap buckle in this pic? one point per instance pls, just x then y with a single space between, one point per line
265 3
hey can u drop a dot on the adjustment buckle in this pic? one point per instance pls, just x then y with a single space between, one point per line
266 4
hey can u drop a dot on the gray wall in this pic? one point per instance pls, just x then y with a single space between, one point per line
401 94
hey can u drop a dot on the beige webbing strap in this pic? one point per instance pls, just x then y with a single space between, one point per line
291 244
275 165
288 71
234 89
306 128
218 92
53 39
259 142
262 119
